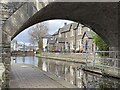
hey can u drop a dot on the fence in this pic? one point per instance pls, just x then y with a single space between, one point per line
106 61
102 61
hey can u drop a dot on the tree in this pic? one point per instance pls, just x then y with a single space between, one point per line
36 33
102 46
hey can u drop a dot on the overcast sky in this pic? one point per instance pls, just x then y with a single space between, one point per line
53 26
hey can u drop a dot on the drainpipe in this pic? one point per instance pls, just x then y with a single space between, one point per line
76 36
75 41
64 42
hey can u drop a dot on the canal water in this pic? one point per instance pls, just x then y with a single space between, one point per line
71 72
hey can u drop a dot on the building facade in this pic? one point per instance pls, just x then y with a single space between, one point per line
73 37
45 40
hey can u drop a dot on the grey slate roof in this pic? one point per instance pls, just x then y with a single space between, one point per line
55 33
65 28
74 25
68 27
48 36
88 34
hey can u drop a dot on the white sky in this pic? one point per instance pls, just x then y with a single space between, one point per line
53 26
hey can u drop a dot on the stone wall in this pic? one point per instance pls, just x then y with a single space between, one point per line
5 57
2 68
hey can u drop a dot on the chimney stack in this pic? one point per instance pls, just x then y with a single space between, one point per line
65 23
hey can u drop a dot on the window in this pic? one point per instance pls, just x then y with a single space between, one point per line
86 45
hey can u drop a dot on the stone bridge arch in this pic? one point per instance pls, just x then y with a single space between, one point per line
100 16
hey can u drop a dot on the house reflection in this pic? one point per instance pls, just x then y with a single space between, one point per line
44 66
71 72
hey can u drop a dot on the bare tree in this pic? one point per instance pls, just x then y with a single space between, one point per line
36 33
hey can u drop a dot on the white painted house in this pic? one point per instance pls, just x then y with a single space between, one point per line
45 39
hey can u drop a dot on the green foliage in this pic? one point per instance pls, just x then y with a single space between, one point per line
102 46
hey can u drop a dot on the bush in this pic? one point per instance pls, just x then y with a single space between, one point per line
102 46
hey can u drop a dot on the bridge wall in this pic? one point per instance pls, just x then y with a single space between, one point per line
20 17
9 28
100 17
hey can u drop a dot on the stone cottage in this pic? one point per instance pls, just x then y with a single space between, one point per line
71 38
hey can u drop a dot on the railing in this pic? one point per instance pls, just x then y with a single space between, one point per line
106 61
100 61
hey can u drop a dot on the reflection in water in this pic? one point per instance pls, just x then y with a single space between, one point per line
44 66
27 60
69 71
23 59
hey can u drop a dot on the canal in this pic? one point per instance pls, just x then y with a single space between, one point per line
70 72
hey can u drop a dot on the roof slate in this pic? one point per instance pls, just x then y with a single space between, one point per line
88 34
65 28
48 36
74 25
